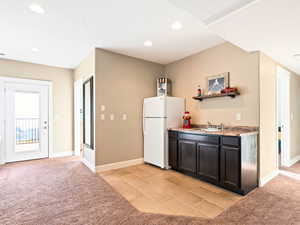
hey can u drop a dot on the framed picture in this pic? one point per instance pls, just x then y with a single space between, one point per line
88 113
217 83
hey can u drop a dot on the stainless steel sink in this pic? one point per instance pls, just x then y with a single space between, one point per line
210 129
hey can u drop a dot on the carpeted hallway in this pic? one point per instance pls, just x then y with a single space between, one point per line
294 168
64 192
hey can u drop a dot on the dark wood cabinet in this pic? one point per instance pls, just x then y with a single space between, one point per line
173 153
230 166
187 151
217 159
208 161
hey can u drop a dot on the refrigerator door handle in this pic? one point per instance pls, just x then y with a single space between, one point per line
144 130
144 125
144 118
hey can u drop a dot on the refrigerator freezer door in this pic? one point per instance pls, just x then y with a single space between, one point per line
155 107
154 141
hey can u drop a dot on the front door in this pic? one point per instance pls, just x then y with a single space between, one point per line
26 121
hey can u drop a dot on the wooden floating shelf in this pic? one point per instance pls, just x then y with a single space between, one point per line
230 94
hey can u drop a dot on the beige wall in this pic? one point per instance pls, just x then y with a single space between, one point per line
186 74
121 84
86 68
268 113
295 111
62 96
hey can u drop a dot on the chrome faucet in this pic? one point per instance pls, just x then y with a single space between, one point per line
221 126
210 125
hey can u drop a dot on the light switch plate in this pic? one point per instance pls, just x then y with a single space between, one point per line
102 107
124 117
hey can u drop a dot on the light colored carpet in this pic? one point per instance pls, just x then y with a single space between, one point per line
64 192
294 168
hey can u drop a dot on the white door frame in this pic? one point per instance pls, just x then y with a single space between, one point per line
283 81
78 95
3 80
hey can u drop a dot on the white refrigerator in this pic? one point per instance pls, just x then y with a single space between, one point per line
159 114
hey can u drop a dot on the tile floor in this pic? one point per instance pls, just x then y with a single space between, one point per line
154 190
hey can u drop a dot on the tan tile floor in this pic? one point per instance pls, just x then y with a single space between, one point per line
154 190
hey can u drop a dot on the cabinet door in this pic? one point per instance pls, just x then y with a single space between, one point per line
173 159
187 151
230 166
208 161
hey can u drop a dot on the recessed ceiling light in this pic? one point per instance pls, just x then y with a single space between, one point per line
176 25
37 9
148 43
297 56
35 49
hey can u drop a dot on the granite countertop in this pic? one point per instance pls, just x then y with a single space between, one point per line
227 131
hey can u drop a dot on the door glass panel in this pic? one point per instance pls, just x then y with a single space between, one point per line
27 121
87 115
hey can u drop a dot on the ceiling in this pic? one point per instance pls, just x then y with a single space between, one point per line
270 26
69 29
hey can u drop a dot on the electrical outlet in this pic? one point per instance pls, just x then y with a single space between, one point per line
102 117
238 116
112 116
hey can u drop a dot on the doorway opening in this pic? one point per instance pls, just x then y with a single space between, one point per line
84 105
26 118
283 116
288 164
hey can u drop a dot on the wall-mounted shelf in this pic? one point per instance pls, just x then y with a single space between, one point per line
230 94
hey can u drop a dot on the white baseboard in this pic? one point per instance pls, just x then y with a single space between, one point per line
119 165
88 165
290 174
293 161
2 161
266 179
61 154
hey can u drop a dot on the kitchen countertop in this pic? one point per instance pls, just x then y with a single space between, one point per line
228 131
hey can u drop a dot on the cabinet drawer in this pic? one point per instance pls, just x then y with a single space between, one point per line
173 134
231 141
201 138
